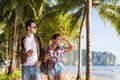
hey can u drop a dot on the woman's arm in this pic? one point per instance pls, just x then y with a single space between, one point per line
46 57
71 47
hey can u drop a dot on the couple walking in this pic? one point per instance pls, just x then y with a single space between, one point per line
33 53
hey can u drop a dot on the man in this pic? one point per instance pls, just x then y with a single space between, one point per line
31 53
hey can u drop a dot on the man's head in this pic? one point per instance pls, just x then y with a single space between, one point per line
31 26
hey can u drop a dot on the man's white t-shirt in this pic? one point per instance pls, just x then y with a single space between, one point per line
31 44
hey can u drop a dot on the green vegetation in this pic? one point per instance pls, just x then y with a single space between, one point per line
14 76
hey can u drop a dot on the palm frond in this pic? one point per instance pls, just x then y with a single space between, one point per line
76 18
71 5
111 13
37 7
109 1
2 27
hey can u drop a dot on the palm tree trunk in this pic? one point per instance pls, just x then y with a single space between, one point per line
12 63
6 49
6 70
79 74
18 58
88 46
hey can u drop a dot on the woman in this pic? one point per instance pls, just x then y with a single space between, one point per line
54 56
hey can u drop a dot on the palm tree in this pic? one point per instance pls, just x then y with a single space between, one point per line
63 22
13 56
79 74
15 13
88 36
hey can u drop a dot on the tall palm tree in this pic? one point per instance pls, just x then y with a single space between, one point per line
79 74
13 56
88 37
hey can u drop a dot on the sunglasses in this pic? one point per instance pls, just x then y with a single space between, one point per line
34 27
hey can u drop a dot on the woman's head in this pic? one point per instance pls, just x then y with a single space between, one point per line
56 39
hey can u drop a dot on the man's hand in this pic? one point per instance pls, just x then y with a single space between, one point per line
38 64
30 52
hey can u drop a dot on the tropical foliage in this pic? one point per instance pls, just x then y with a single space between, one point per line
111 13
52 16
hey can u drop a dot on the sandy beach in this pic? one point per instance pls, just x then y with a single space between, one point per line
70 76
98 73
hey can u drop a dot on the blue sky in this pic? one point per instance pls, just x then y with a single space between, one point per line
103 37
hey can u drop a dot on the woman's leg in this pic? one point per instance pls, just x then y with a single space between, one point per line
51 78
61 77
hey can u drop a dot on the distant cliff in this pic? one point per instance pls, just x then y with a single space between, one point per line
98 58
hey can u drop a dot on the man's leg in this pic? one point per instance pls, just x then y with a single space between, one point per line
35 73
25 73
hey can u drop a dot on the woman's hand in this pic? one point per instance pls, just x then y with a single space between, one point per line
71 47
63 38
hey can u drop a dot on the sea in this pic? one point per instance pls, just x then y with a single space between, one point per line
102 72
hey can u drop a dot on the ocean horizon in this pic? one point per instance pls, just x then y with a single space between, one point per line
103 72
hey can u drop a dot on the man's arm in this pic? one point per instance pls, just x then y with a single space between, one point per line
41 53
